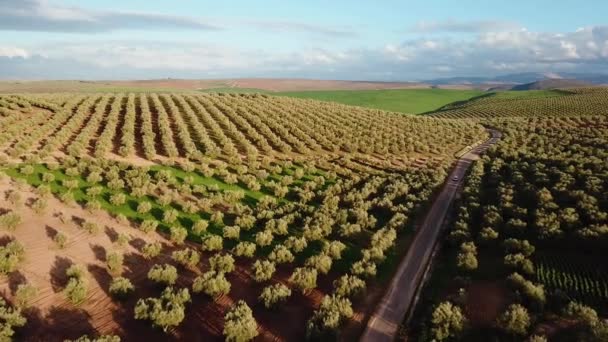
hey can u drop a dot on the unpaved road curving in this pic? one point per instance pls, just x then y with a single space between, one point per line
384 323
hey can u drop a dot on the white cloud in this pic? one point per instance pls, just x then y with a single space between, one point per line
454 25
44 15
486 53
12 52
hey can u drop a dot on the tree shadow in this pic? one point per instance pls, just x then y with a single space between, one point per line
137 243
101 276
30 202
5 240
51 232
99 251
111 233
79 221
134 264
66 323
14 280
4 211
57 272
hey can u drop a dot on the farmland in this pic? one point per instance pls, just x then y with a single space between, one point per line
234 209
531 226
192 215
410 101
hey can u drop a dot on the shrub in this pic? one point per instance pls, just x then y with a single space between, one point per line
263 238
92 206
334 249
94 191
188 257
213 243
48 177
102 338
200 227
91 227
296 244
321 262
148 226
212 283
163 274
118 199
152 250
515 320
15 199
144 207
10 256
114 263
304 278
280 255
448 321
328 318
222 263
178 234
170 216
245 249
25 294
364 268
263 270
121 287
231 232
217 217
67 198
239 324
166 311
26 170
39 206
273 294
11 318
60 240
76 290
122 239
348 286
10 221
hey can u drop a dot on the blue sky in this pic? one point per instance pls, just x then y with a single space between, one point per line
374 40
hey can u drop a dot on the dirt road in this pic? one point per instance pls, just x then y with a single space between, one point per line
391 310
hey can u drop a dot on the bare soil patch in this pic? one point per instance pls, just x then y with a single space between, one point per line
52 318
485 302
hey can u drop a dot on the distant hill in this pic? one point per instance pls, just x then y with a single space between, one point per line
503 81
553 83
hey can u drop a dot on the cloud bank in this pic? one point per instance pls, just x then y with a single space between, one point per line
441 49
44 16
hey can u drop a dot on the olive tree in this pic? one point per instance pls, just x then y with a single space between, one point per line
447 321
274 294
121 287
212 243
263 270
304 278
188 257
239 324
164 274
222 263
245 249
166 311
515 320
212 283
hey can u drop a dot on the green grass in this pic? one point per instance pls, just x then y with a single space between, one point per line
411 101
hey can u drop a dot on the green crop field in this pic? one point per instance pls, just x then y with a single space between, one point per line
411 101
